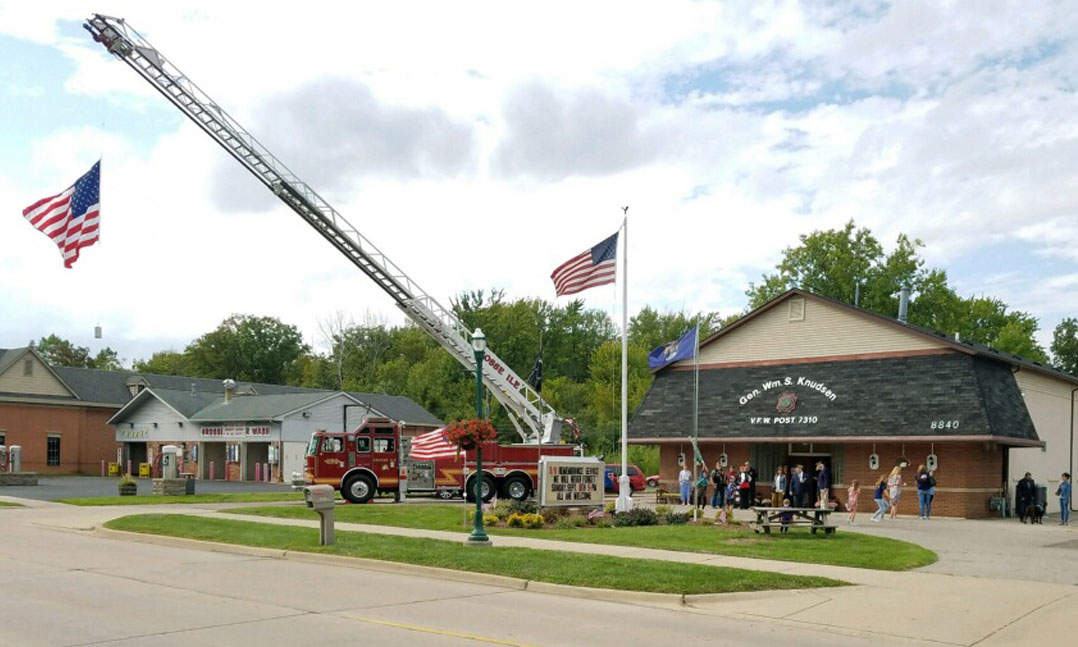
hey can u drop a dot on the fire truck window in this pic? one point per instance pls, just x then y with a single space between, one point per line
383 445
383 430
363 444
331 445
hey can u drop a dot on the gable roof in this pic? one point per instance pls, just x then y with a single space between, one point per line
259 407
10 356
969 348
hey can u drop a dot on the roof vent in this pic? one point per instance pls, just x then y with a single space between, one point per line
797 309
957 336
230 386
194 389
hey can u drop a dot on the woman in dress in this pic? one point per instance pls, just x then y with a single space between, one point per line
894 488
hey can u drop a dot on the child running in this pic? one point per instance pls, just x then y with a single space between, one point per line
851 501
880 497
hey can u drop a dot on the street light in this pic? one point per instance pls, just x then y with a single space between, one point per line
479 348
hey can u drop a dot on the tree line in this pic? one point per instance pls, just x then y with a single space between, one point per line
580 346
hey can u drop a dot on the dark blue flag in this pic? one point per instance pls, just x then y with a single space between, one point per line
673 351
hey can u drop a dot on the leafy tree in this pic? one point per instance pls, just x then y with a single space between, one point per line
164 362
61 352
245 347
832 263
650 329
1065 345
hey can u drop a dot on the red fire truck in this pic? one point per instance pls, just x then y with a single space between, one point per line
375 458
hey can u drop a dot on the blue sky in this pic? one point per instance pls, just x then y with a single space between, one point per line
748 123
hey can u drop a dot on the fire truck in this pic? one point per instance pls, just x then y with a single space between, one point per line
360 474
377 458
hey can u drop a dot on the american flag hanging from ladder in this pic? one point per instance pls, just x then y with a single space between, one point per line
432 444
70 218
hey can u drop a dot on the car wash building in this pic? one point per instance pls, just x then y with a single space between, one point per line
229 431
806 379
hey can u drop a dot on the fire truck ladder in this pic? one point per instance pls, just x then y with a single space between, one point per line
520 400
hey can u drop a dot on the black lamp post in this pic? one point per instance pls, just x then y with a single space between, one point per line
479 347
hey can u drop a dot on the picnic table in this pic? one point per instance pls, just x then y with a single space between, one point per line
814 518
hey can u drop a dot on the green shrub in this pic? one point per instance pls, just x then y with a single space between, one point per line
515 520
663 510
503 508
554 514
636 517
489 519
533 521
610 507
675 518
522 507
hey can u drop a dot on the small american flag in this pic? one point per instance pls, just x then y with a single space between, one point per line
70 218
595 266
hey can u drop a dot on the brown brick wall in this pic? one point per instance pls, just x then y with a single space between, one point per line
967 476
85 439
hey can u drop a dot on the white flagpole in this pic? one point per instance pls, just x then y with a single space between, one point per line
695 414
624 502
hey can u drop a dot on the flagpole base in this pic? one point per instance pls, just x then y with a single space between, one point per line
624 501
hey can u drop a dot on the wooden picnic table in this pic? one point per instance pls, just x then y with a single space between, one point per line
814 518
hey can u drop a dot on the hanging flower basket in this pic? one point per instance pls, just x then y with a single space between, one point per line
469 434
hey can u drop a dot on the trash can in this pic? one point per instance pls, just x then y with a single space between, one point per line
189 484
1041 497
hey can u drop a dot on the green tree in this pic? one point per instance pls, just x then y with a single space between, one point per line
164 362
833 263
61 352
1065 345
245 347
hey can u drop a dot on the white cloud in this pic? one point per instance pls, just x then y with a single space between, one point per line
951 123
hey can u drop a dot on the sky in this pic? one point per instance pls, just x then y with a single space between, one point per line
479 145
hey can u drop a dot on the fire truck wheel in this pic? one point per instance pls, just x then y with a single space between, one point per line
516 488
488 490
358 489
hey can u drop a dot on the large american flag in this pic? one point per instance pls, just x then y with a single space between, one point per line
595 266
70 218
432 445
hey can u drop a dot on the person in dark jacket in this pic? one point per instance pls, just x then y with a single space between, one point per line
797 486
752 480
1023 496
823 483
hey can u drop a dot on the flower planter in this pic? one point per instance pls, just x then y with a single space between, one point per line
128 489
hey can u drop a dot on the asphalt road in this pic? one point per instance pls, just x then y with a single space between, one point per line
60 586
50 488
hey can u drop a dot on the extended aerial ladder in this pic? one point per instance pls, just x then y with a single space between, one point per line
521 401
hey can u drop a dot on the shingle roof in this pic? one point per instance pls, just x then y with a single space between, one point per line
258 407
398 407
9 355
186 402
885 398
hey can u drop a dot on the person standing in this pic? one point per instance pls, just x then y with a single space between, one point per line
1023 496
823 483
1064 494
719 481
797 487
851 501
894 489
684 480
924 488
778 487
744 487
701 487
880 497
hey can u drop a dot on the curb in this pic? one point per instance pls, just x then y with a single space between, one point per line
501 581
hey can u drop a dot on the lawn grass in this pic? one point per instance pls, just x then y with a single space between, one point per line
10 504
799 545
557 567
149 499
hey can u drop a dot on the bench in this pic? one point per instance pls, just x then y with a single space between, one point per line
664 497
813 518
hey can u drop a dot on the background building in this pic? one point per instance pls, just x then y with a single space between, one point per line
68 420
804 379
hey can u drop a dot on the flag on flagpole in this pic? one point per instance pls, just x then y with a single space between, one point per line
592 267
70 218
683 348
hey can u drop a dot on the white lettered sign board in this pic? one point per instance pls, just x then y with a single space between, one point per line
570 481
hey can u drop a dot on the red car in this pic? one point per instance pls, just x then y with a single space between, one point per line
636 477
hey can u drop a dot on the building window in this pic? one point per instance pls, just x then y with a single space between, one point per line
3 438
52 450
28 367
